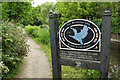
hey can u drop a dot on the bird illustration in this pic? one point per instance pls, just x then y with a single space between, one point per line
81 35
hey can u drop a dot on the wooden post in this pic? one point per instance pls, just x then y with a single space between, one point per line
53 25
106 30
118 39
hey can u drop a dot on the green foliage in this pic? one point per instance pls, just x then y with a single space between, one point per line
42 34
15 10
38 15
32 17
92 74
0 11
88 10
98 22
24 13
118 74
115 28
20 25
75 72
14 48
44 26
45 9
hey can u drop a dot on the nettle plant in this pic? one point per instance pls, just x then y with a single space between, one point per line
14 48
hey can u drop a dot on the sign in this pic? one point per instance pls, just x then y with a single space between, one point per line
79 44
80 34
80 55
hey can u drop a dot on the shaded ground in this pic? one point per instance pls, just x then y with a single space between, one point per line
36 64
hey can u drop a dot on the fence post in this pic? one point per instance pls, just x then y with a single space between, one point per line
106 30
53 25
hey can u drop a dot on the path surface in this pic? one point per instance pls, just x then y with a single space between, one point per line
36 63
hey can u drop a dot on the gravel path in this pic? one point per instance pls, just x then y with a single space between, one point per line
36 63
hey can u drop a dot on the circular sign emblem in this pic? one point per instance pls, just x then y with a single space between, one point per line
80 34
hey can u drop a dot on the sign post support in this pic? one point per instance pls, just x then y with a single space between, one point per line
53 25
106 27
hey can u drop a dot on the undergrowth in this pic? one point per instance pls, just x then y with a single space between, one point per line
14 48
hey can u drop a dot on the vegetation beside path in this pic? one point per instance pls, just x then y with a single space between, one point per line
14 48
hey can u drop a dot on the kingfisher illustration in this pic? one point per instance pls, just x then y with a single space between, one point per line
81 35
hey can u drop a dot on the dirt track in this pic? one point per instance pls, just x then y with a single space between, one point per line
36 64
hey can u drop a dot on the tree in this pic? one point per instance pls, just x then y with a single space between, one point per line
15 10
45 9
33 17
72 10
84 10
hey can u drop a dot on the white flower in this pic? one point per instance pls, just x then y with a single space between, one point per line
19 28
0 64
115 66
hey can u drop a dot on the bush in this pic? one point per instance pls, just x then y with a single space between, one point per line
98 22
115 27
14 48
29 29
42 34
44 26
19 24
